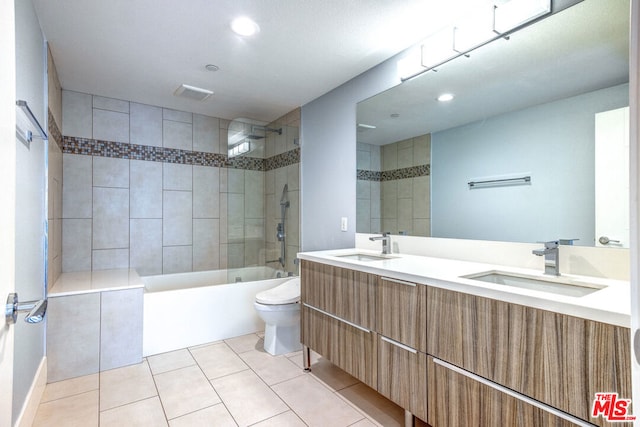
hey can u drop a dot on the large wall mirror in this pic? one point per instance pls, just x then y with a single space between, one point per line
512 157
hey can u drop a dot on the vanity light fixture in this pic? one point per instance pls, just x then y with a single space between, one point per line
475 29
445 97
469 33
515 13
438 48
244 26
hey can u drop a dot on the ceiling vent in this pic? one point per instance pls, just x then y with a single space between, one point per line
193 92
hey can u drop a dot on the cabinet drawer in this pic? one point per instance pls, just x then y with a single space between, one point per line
402 376
345 293
401 312
457 399
347 346
557 359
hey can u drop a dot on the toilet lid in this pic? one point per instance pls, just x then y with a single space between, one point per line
286 293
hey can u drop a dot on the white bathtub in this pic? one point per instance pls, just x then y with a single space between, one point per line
187 309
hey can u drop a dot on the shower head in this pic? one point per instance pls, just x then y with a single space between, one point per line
283 200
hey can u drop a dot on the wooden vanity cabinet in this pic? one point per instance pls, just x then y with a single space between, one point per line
556 359
402 375
401 312
345 293
401 327
459 400
351 348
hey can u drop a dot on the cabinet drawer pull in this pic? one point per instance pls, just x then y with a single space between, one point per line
513 394
398 281
336 317
397 344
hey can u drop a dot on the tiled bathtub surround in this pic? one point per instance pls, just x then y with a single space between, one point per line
152 189
393 187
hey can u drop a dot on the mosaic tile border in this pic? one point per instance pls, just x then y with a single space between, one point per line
123 150
392 175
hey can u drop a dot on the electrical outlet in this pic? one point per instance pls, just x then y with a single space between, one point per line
343 223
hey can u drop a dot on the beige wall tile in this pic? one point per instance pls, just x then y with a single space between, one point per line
177 224
146 189
206 192
77 114
145 246
110 172
110 126
177 259
145 125
110 104
73 322
177 135
121 328
206 243
77 192
177 177
76 245
110 218
206 134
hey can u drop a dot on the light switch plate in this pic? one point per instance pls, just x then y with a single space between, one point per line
343 223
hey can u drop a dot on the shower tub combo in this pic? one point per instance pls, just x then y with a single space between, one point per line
187 309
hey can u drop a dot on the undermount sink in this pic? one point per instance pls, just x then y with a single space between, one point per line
364 257
555 285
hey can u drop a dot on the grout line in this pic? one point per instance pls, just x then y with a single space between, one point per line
214 389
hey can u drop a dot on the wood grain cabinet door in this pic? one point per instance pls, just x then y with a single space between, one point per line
351 348
402 376
458 400
559 360
348 294
401 312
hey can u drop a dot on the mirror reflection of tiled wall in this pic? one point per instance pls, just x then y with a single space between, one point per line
151 188
393 192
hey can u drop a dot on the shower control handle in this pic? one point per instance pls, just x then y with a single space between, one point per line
36 309
280 232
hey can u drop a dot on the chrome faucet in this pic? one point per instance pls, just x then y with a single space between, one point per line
551 257
386 242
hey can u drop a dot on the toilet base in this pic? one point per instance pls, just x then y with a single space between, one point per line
282 339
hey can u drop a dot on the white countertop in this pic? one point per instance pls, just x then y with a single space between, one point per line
95 281
609 305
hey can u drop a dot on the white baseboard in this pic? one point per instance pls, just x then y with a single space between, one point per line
30 407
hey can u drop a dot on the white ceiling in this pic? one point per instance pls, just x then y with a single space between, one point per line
142 50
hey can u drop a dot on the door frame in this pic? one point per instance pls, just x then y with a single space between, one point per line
7 198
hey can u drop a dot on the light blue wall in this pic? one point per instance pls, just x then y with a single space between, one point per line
553 142
328 159
30 201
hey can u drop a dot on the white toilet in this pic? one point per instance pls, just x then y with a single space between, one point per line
279 307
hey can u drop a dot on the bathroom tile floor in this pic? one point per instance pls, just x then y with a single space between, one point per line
226 383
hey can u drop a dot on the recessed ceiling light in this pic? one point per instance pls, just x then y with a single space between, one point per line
211 67
445 97
244 26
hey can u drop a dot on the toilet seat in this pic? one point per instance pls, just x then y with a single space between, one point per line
286 293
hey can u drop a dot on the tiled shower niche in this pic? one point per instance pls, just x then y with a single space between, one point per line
152 189
393 187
